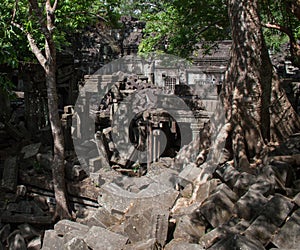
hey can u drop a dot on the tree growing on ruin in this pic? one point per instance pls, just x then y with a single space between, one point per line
257 109
44 25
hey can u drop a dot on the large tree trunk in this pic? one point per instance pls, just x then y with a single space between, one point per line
251 91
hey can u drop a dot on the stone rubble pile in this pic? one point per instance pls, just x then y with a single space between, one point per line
167 209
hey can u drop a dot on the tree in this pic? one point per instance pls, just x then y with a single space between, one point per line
257 109
45 25
177 26
282 19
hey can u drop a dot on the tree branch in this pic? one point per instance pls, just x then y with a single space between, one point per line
279 27
35 49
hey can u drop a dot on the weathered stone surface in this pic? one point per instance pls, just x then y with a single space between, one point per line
237 242
187 230
160 226
189 174
250 205
100 238
150 244
64 226
243 182
228 174
76 244
277 209
51 241
296 199
16 242
31 150
205 190
101 218
212 237
118 201
289 235
217 208
262 186
223 188
181 245
35 244
261 229
10 174
73 234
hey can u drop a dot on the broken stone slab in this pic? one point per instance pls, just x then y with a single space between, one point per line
10 174
149 244
205 189
261 229
34 244
101 218
189 174
237 242
76 244
288 235
182 245
100 238
187 230
73 234
31 150
96 163
160 226
217 208
223 188
296 199
277 209
283 171
228 174
52 241
262 186
233 226
250 205
64 226
243 182
118 201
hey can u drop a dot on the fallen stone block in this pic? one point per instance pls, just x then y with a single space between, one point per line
187 230
250 205
64 226
52 241
289 234
100 238
76 244
34 244
237 242
217 209
205 189
223 188
181 245
189 174
101 218
277 209
150 244
228 174
296 199
261 229
243 182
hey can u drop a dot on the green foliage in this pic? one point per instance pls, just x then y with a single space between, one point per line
177 26
71 16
